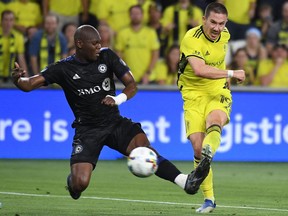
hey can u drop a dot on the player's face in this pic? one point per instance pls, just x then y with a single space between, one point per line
91 49
214 24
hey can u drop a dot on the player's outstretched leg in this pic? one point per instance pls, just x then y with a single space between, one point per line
73 194
198 175
207 207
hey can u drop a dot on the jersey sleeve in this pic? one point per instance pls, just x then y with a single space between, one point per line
119 67
191 50
52 74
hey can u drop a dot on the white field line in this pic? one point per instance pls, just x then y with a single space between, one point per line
143 201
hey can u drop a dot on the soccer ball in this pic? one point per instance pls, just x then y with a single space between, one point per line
142 162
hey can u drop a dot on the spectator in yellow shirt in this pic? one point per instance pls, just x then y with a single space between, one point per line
27 14
274 72
166 69
138 45
240 15
2 8
178 18
116 15
11 46
66 11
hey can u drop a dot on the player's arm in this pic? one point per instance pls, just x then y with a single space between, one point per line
130 85
128 92
206 71
26 83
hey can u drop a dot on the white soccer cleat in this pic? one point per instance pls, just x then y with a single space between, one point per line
207 207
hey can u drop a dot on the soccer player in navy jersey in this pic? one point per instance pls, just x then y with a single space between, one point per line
87 80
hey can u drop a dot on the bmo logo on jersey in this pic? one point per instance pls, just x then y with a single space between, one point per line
106 86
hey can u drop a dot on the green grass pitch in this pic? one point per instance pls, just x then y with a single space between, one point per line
37 187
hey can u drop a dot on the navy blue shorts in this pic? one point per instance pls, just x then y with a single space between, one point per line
88 141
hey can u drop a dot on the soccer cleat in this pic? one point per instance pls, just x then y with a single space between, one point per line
198 175
73 194
207 152
207 207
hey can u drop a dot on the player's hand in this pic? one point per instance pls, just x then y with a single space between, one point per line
17 73
239 75
109 101
114 100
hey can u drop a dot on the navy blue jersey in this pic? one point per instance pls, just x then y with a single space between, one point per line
86 84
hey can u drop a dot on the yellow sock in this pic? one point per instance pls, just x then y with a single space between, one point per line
207 186
213 137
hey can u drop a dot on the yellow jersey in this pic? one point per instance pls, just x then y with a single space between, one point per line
10 47
26 14
193 12
116 14
161 73
2 8
137 48
73 8
238 11
196 43
281 77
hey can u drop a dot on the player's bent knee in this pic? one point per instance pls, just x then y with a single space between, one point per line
214 127
80 183
140 140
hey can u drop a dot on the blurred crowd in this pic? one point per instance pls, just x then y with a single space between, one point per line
146 34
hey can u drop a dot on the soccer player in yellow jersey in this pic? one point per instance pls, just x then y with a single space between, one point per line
202 80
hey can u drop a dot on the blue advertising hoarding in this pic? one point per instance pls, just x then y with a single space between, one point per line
37 125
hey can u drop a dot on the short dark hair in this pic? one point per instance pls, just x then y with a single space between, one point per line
216 8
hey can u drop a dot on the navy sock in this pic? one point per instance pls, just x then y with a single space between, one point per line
166 170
